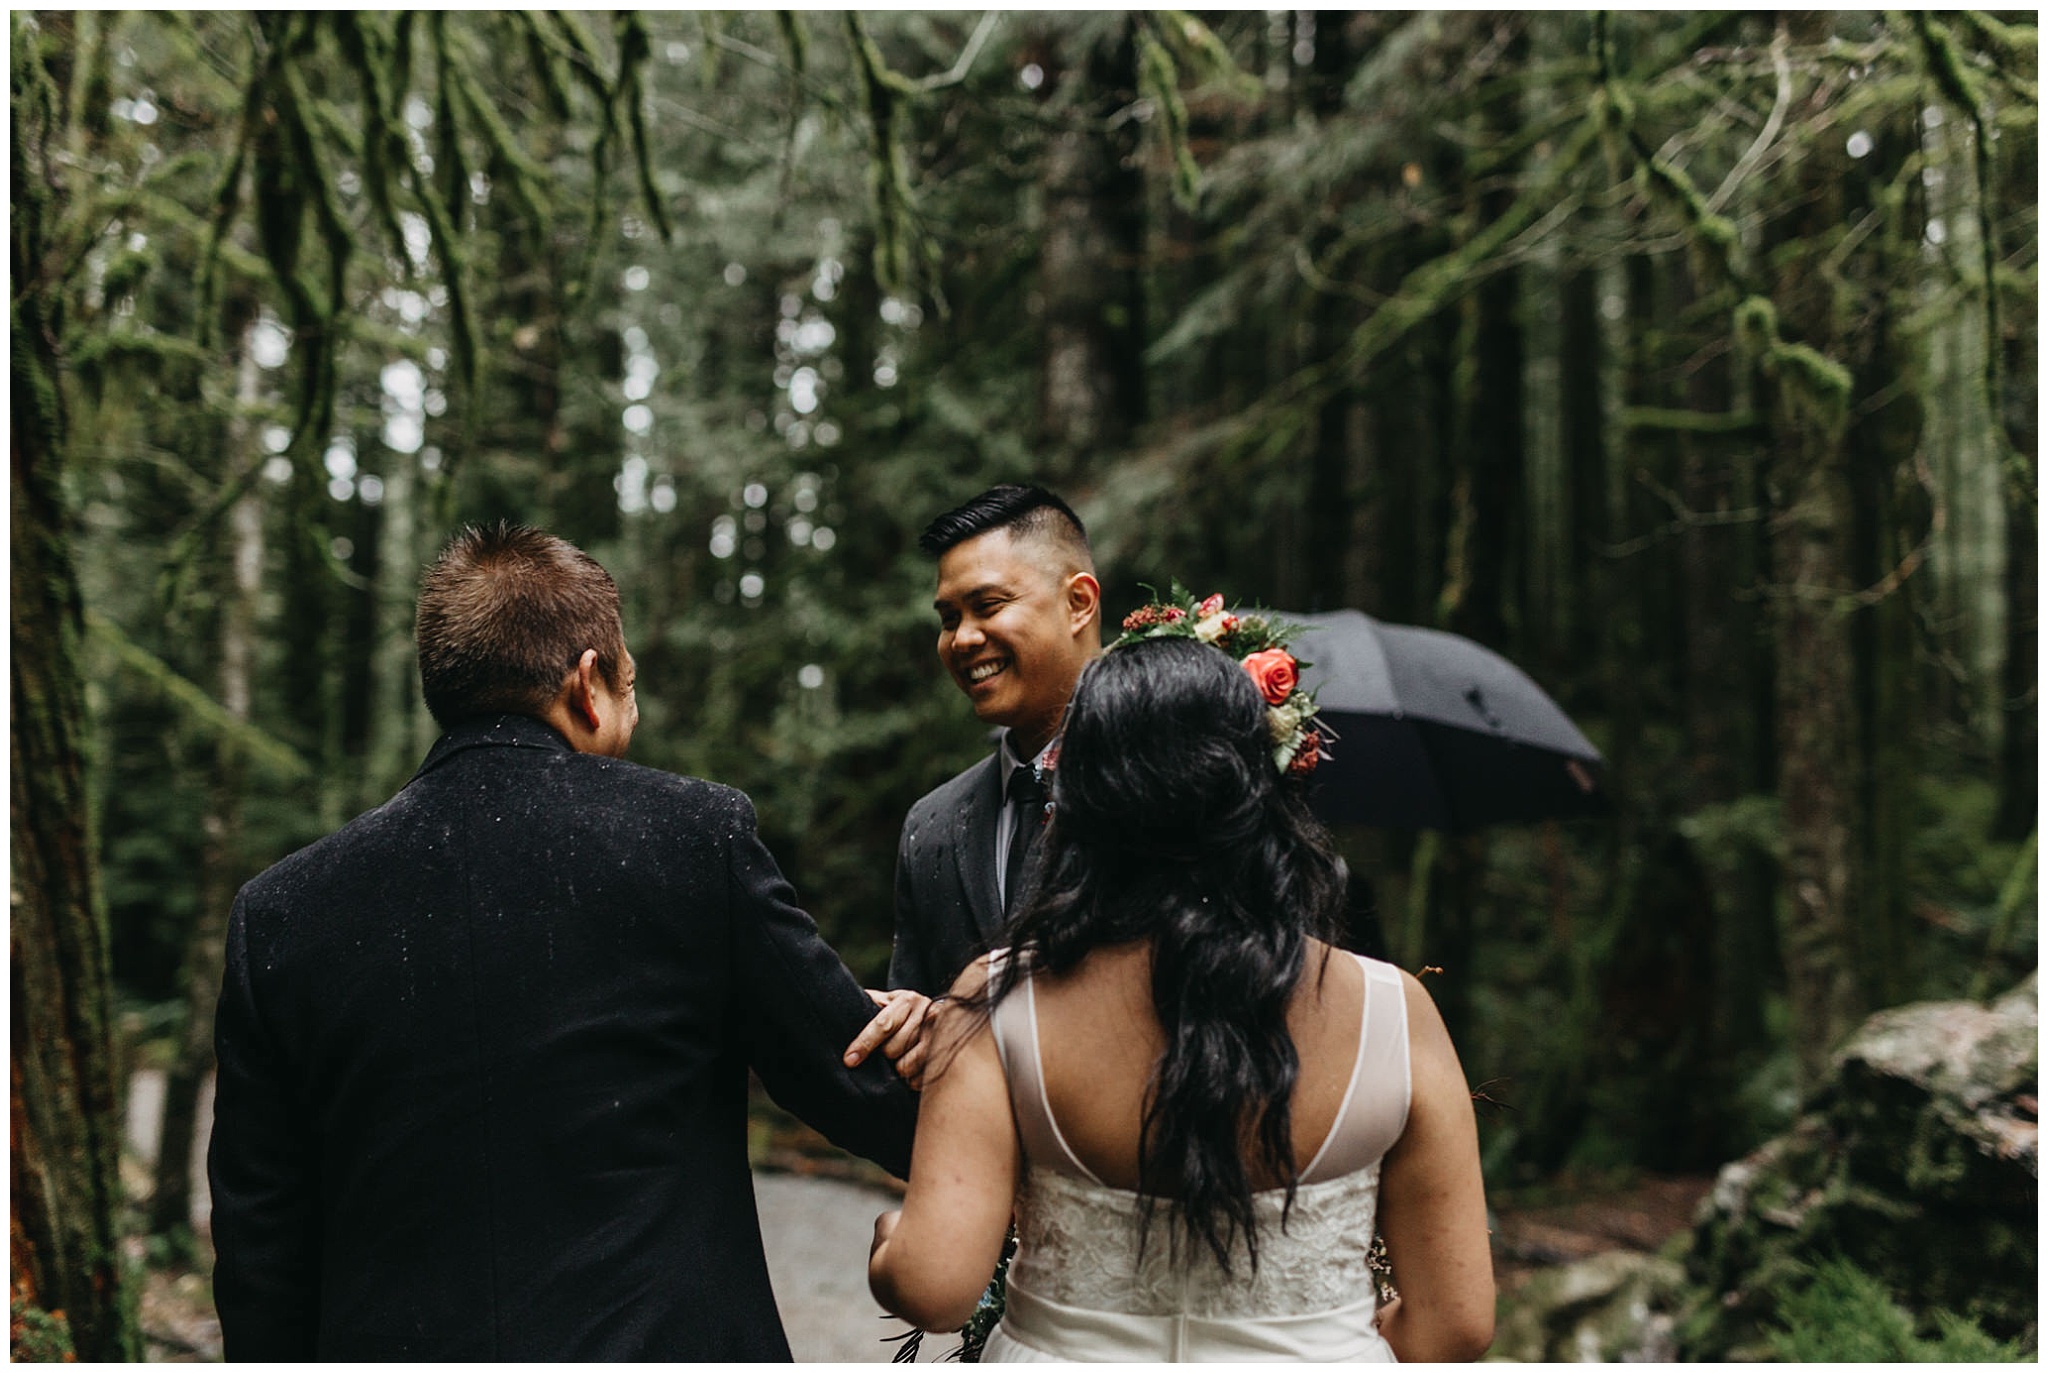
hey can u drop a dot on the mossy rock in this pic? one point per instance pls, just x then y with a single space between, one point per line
1606 1309
1918 1161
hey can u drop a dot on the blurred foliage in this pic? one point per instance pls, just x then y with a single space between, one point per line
1843 1315
1466 319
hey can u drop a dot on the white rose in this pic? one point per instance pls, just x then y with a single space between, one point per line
1284 719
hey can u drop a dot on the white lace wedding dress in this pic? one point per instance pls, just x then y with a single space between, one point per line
1079 1291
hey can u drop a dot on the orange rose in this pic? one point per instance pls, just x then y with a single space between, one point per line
1274 672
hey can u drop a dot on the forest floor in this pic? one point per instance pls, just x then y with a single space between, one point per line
817 1201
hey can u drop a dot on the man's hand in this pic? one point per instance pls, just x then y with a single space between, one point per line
898 1028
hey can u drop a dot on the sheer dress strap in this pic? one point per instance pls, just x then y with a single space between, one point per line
1016 1031
1375 1107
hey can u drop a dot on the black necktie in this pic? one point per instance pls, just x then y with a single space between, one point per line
1027 802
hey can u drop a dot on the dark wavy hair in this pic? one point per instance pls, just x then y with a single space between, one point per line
1171 824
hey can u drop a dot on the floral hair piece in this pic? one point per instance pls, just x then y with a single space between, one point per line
1259 642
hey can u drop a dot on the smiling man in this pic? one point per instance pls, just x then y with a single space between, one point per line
1020 614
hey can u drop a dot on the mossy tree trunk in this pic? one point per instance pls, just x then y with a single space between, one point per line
2019 738
1493 404
1815 708
64 1117
1883 438
1092 381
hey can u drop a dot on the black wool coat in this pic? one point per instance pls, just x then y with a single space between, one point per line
483 1069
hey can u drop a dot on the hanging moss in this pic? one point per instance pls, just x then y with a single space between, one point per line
634 53
371 53
1819 386
888 176
517 177
1202 54
1160 83
196 704
541 56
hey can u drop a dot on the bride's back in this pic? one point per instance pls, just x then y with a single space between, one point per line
1169 979
1100 1043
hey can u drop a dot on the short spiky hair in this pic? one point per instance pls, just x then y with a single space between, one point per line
1023 510
505 613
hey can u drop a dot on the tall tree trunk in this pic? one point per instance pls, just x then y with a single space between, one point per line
1493 409
2019 761
1815 729
170 1209
1715 697
1883 438
64 1109
2019 733
401 729
1089 261
1813 575
1336 514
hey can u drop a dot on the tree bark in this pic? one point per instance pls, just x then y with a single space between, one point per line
1815 714
1493 445
1092 382
2019 760
1884 436
2019 736
64 1110
1815 761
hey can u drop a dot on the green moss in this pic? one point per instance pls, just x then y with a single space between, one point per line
39 1336
1841 1314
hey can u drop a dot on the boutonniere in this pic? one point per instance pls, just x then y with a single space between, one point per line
1041 773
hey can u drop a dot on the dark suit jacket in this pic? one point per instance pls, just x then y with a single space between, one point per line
483 1069
948 909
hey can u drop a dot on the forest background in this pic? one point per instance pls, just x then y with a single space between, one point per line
1687 359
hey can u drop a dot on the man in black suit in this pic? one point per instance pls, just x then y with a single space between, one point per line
484 1051
1020 614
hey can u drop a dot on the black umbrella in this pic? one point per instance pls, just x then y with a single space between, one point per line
1435 732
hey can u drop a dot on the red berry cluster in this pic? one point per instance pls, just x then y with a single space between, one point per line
1145 616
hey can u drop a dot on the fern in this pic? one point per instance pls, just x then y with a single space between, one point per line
1844 1315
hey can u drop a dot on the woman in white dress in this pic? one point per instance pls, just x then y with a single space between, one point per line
1199 1111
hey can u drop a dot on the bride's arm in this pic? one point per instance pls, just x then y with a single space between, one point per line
933 1259
1433 1206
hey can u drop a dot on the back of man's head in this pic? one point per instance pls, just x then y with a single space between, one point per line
505 614
1027 512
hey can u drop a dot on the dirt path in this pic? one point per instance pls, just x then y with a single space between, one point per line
816 1231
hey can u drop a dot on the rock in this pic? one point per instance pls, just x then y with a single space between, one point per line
1611 1308
1919 1161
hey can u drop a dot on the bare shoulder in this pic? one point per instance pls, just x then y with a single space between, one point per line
1423 1016
1432 1058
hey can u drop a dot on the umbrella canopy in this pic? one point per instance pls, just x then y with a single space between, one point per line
1435 732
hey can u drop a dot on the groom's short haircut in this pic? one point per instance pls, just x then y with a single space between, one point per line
505 614
1026 511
